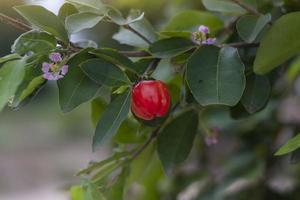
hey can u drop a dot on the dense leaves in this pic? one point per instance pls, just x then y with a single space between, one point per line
43 19
81 21
111 119
175 141
170 47
256 94
33 41
76 88
209 71
103 72
279 43
249 26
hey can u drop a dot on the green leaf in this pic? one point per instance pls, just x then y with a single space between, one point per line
103 72
175 141
34 41
189 20
77 193
95 4
43 19
11 76
249 26
30 90
290 146
111 119
80 21
223 6
142 64
256 94
115 57
117 17
9 58
66 10
76 88
142 26
279 44
216 76
170 47
92 192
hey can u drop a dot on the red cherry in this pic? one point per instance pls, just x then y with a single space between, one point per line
150 99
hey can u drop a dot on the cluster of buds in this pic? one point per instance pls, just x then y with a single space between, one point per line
201 37
54 70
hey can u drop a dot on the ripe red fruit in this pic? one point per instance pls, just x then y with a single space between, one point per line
150 99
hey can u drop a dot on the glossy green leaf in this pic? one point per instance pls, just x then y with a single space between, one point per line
104 72
279 44
142 26
80 21
256 94
76 88
170 47
34 41
30 90
175 141
290 146
66 10
86 44
43 19
115 57
9 58
189 20
216 76
117 17
249 26
224 6
142 64
111 119
11 76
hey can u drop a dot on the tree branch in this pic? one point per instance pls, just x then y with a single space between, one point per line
135 53
151 67
145 145
14 22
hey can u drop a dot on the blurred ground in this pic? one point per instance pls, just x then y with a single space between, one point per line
41 149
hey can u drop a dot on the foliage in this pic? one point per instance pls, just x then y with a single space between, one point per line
229 86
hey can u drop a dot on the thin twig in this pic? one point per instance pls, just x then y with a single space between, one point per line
128 27
151 67
246 7
14 22
133 54
145 145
